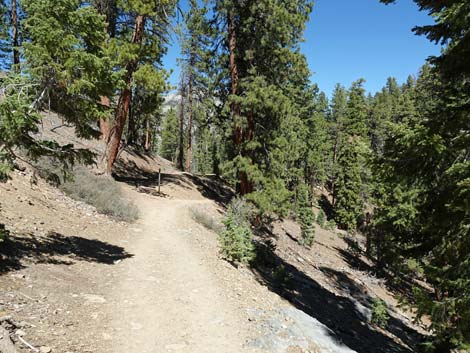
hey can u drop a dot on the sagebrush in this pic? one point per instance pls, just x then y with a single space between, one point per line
81 184
206 220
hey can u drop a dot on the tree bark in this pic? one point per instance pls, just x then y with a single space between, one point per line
131 127
148 136
335 157
15 35
122 110
105 123
190 122
180 159
239 138
234 107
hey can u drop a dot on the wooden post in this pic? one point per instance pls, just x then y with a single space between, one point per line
159 179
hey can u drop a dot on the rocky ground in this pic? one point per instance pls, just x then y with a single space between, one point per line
72 280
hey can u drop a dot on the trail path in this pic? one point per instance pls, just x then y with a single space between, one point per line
168 300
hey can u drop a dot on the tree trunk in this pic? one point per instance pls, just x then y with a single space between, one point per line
234 107
335 157
124 102
190 123
15 36
180 159
148 136
105 123
245 185
131 127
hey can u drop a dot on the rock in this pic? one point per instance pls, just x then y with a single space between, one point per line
45 349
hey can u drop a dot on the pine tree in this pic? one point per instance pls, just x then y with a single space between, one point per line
11 15
305 216
348 200
351 177
63 36
268 79
137 48
318 144
427 159
170 131
336 119
195 40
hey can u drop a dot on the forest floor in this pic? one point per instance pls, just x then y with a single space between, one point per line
73 280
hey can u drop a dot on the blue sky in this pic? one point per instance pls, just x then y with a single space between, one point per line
350 39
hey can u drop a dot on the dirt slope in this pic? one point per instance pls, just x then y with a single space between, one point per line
72 280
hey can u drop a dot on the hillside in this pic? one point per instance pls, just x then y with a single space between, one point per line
74 280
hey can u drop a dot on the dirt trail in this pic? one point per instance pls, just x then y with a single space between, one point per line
168 300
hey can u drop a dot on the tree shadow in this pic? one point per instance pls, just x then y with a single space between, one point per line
400 284
343 315
55 248
326 206
211 187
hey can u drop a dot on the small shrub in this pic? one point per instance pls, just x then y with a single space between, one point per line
242 211
331 225
236 241
205 220
101 192
305 217
353 246
281 276
380 315
321 218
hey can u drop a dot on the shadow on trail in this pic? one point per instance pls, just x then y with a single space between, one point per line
210 186
57 249
345 316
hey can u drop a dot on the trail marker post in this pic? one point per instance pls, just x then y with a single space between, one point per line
159 179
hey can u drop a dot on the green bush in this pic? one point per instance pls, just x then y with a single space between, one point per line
380 315
331 225
321 218
236 241
305 217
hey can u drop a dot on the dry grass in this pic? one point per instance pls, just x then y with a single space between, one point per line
101 192
206 220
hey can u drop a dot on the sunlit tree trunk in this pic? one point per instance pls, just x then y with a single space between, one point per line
15 35
122 110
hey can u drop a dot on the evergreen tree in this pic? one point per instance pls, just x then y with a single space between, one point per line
195 41
318 144
427 159
267 80
137 50
65 67
65 58
351 180
305 216
170 131
348 205
336 119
